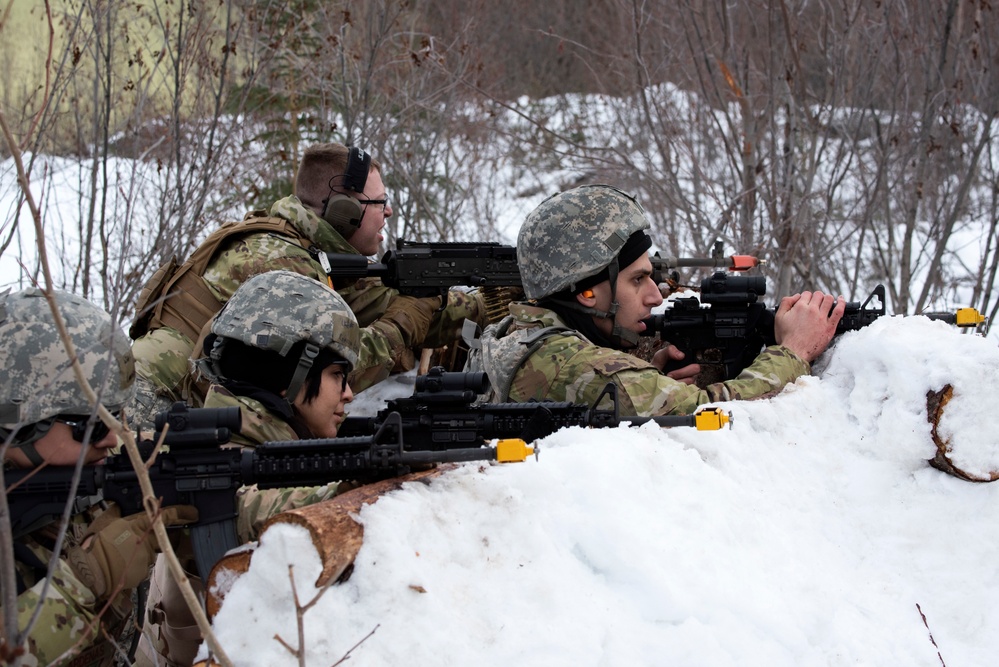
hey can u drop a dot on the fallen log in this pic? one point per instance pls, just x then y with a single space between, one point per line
335 533
944 459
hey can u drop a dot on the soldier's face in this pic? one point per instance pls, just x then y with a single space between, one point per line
368 238
637 294
57 447
326 411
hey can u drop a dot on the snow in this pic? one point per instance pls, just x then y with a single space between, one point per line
813 532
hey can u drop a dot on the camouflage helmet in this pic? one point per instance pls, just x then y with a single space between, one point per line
573 235
38 382
275 310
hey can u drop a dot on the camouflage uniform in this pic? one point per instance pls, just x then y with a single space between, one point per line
568 367
270 311
69 628
36 387
162 355
572 237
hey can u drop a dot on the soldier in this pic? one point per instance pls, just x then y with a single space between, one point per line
46 418
584 263
281 350
340 205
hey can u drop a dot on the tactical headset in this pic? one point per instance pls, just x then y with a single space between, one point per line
343 211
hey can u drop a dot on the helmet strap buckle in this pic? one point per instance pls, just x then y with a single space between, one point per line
305 362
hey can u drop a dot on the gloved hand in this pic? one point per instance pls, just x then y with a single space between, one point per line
412 317
118 550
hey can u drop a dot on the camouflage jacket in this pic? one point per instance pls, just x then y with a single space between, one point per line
532 354
255 506
69 628
163 355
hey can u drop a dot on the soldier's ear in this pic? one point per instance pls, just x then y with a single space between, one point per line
586 298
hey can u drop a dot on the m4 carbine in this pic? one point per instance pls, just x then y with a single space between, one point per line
438 424
727 327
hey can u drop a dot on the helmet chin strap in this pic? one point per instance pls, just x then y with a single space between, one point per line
305 362
620 336
27 437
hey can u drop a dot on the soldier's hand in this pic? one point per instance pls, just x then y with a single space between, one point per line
119 551
412 317
805 323
686 374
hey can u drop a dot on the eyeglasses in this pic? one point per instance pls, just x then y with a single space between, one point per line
341 373
78 425
374 202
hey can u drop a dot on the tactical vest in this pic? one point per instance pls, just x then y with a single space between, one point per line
500 353
177 295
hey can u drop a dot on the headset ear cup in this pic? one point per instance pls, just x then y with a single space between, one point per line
344 213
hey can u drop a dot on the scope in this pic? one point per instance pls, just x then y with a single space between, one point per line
723 288
196 425
438 380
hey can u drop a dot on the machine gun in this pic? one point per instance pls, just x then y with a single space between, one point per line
728 326
429 269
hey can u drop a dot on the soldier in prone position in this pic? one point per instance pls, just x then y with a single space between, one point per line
586 272
281 350
46 418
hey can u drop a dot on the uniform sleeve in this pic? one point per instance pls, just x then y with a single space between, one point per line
583 370
445 328
66 625
382 346
256 506
368 298
253 254
651 393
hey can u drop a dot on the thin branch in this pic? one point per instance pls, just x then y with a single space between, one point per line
150 502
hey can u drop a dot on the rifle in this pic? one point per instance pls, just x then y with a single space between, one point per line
442 411
438 424
197 471
728 326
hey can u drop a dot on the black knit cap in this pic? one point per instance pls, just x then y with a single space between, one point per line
636 245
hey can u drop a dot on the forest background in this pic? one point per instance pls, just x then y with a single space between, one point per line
848 142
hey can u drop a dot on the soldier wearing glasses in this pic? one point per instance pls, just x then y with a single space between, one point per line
340 206
281 350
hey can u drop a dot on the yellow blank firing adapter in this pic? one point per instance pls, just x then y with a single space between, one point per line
712 419
513 450
968 317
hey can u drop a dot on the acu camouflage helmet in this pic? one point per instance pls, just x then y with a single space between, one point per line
38 382
275 310
574 235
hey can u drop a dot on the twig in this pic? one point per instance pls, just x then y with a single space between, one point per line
346 656
300 611
932 641
149 501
